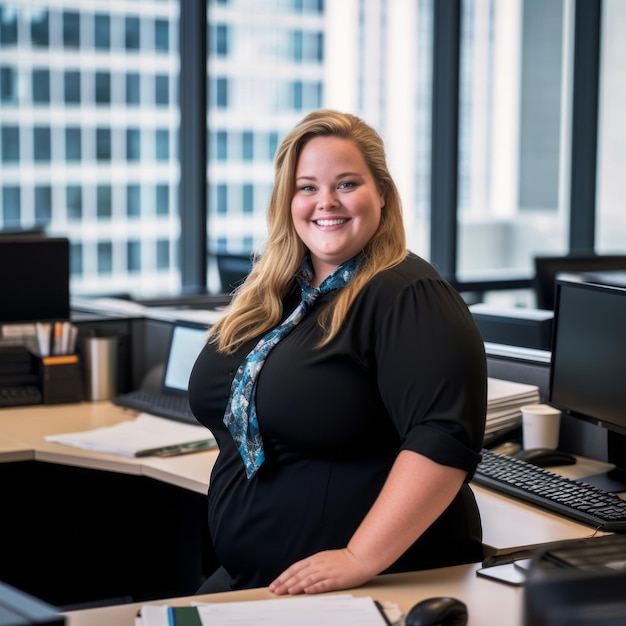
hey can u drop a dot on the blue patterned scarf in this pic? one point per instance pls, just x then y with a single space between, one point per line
240 416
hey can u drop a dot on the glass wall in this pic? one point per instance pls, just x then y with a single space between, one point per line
90 120
515 103
611 212
88 136
272 61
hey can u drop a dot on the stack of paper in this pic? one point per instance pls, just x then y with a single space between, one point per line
505 400
304 611
143 436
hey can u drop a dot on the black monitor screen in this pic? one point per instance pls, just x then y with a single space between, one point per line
588 364
548 268
35 279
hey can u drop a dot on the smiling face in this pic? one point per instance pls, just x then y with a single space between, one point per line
336 207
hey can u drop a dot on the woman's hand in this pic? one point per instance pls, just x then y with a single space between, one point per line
325 571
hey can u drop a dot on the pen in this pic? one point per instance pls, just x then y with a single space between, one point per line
43 338
181 448
57 346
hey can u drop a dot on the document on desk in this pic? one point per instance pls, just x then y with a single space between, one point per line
303 611
145 435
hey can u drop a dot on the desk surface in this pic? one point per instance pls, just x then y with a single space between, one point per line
507 523
488 603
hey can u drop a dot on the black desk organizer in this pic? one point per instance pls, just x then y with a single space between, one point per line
60 378
19 377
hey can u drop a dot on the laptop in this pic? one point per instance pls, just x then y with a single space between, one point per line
171 399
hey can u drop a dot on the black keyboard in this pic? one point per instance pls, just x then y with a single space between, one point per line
572 498
20 395
156 403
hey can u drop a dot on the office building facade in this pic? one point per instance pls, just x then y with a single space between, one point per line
90 120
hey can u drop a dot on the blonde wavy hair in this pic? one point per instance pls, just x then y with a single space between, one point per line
257 304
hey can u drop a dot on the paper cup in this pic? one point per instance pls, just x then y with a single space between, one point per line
540 426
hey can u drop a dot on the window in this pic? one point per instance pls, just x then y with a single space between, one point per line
511 167
8 27
115 100
10 144
133 144
73 150
133 91
222 198
133 256
39 24
218 39
162 254
89 123
161 89
104 201
611 225
248 198
43 205
76 259
11 205
133 200
219 93
74 202
103 144
132 33
41 86
161 35
42 144
162 144
221 145
71 29
103 88
247 140
105 258
8 85
102 31
72 87
162 199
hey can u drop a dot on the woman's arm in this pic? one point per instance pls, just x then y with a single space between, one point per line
416 492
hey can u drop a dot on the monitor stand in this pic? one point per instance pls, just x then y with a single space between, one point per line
613 481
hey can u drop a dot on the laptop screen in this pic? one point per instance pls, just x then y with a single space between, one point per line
185 346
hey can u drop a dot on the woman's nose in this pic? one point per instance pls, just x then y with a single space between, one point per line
327 199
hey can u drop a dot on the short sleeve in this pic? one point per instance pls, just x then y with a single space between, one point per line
431 371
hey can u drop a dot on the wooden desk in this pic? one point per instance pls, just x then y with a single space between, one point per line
181 482
23 431
489 603
72 516
507 523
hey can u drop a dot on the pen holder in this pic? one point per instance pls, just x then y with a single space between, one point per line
61 379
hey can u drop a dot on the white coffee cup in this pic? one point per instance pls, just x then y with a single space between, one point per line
540 426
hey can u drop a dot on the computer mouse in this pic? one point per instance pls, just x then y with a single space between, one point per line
443 611
545 457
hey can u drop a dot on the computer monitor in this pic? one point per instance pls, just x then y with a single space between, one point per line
547 269
588 365
35 278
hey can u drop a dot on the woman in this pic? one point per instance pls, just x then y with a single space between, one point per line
348 426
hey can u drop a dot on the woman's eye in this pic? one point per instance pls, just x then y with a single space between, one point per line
347 185
307 188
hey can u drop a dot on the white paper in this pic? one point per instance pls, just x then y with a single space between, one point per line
303 611
504 391
130 438
326 610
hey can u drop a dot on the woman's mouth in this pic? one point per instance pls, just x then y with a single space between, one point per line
333 222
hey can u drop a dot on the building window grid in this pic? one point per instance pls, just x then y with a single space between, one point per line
5 39
95 140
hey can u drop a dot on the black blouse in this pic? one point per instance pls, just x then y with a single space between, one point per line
407 371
